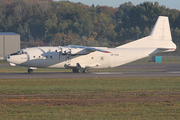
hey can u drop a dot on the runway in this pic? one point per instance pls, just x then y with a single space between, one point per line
147 70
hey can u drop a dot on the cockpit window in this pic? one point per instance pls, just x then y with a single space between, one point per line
16 53
23 52
19 52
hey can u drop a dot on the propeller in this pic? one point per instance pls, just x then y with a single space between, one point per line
65 51
69 54
59 51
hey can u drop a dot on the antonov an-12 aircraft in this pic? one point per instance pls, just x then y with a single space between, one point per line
81 59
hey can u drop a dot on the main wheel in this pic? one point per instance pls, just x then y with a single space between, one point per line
30 71
80 70
86 70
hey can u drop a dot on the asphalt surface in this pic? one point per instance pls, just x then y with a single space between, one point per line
145 70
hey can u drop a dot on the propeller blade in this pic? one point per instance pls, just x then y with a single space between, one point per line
60 53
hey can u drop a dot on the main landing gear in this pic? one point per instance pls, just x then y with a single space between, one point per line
30 71
80 70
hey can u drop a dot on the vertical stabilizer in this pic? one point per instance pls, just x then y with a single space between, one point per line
161 30
160 37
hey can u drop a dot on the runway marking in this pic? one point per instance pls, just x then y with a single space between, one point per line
106 73
174 72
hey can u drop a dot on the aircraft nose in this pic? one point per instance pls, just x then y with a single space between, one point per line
6 57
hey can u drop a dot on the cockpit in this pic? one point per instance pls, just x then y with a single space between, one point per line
19 53
17 57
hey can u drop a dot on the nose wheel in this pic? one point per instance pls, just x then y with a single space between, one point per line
30 71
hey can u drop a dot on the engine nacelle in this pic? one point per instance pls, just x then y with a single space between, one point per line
63 50
79 51
73 51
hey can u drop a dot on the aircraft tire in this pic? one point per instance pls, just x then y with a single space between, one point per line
30 71
86 70
80 70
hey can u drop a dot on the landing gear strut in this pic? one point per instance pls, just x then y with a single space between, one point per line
80 70
30 71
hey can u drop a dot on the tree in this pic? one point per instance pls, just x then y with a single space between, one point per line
57 39
76 23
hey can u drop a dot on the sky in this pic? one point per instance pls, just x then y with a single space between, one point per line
172 4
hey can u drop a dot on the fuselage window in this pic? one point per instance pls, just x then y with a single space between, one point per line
46 57
24 52
33 56
50 56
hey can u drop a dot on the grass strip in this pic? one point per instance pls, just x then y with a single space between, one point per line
89 85
115 111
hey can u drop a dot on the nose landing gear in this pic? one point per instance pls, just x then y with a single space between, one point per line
30 71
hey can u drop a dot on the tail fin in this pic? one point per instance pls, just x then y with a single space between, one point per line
160 37
161 30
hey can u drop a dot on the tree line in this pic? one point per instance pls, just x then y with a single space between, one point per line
63 23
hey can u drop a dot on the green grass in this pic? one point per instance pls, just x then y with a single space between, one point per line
108 111
89 85
3 62
101 111
115 111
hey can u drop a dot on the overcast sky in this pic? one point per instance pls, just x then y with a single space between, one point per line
172 4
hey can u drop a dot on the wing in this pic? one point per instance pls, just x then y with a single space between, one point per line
83 50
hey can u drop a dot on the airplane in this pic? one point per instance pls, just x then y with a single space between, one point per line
81 58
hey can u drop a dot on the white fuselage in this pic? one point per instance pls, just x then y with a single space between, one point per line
47 57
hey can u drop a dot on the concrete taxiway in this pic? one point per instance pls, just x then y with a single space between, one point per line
146 70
